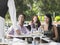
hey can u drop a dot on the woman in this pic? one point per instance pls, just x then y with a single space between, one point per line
50 30
35 23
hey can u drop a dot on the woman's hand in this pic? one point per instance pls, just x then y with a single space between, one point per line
55 39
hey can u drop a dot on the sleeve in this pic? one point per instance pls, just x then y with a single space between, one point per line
10 31
12 12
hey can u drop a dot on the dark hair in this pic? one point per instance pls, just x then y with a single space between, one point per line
50 21
22 14
38 22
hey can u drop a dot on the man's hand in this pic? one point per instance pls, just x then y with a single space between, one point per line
18 32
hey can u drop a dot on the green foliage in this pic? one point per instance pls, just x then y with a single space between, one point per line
57 18
7 17
42 18
28 7
51 6
39 17
33 7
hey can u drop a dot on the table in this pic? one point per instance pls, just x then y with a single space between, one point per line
3 43
33 36
52 43
41 44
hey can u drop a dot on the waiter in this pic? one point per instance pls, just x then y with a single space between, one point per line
7 5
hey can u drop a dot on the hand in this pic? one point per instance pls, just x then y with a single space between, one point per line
54 38
18 32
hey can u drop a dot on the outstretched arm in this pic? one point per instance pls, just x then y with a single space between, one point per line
12 12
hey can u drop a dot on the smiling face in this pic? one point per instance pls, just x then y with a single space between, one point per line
35 19
46 19
21 19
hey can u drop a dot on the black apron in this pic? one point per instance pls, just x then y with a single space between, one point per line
3 8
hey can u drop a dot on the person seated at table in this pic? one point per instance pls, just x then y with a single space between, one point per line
35 23
22 29
49 29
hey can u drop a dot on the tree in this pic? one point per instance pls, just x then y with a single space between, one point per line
34 7
50 6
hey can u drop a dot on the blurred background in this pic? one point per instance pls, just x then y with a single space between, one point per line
37 7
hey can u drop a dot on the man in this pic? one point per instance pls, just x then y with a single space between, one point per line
4 6
21 28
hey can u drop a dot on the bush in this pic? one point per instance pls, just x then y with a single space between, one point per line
57 18
39 17
42 19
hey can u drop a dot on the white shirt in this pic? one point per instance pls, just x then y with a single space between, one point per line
22 29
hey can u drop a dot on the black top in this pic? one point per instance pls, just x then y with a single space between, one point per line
3 8
50 33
